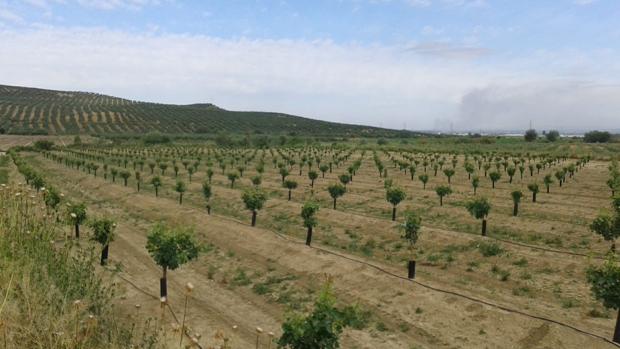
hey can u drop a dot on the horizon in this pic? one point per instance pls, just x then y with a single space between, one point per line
428 64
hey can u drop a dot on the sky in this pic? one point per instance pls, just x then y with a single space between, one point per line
467 65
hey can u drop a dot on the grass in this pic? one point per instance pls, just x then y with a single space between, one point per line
54 294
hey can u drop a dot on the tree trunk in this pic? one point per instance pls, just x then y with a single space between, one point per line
253 218
547 189
138 186
104 255
515 210
394 213
163 285
484 227
289 195
156 192
209 209
617 330
181 199
312 184
493 184
334 203
411 269
441 201
309 236
534 197
77 231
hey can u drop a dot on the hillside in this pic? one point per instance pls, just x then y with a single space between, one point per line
38 111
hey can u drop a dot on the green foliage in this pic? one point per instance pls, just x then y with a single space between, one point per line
308 213
320 329
607 226
254 199
52 198
516 196
103 230
597 137
76 213
289 184
394 195
533 187
207 191
180 187
552 135
171 247
490 249
336 190
479 208
443 190
411 228
605 282
152 138
530 135
43 145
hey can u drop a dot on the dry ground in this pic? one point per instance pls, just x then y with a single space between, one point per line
244 260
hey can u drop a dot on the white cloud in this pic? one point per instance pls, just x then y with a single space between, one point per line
9 15
369 84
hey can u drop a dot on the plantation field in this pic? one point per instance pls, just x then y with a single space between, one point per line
31 111
521 286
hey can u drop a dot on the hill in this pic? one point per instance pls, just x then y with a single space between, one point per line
37 111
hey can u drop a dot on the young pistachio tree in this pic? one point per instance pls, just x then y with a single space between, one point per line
156 182
494 176
257 180
312 175
424 179
207 192
52 199
284 173
232 177
290 185
449 172
516 199
319 329
103 233
114 173
336 190
170 248
475 183
604 283
394 195
180 188
308 214
479 208
125 176
254 200
76 216
511 173
323 168
344 179
443 190
138 178
548 180
411 233
533 187
210 174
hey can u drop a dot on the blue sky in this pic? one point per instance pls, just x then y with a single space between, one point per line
426 64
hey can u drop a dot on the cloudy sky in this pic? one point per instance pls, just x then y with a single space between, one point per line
419 64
